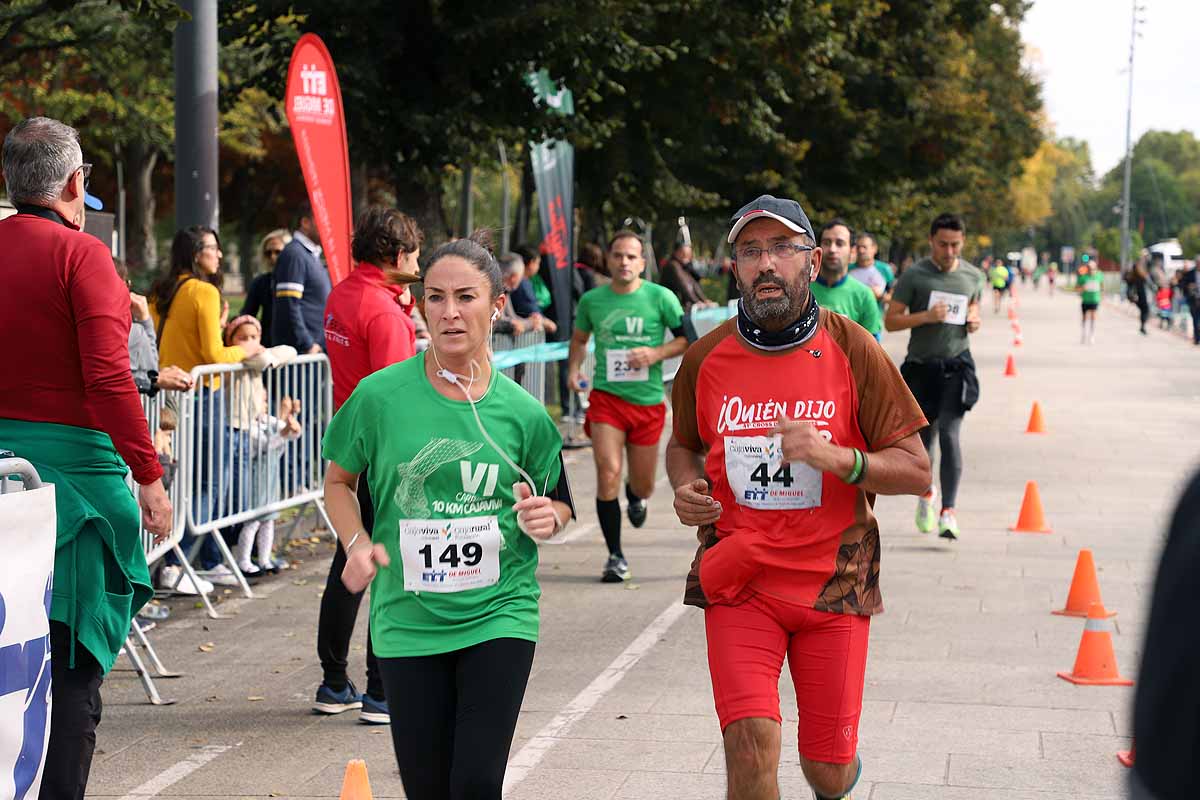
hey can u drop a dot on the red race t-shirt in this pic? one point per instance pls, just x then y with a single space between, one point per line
366 329
786 530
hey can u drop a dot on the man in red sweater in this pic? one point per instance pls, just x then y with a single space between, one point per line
367 327
71 408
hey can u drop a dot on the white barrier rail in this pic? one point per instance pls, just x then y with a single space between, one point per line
241 460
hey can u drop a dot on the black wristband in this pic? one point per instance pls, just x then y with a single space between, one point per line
862 474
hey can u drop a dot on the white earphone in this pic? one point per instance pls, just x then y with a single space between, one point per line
495 315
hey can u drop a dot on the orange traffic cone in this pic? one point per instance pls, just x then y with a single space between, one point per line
1017 340
1095 665
1010 367
1085 589
1012 312
356 786
1126 757
1031 519
1036 422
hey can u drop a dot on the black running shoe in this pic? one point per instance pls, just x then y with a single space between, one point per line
616 570
636 509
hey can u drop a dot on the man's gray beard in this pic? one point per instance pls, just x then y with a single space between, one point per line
774 313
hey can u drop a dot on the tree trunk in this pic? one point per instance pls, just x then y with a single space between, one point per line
358 188
141 251
525 204
423 202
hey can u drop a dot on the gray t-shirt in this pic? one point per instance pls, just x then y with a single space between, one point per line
959 288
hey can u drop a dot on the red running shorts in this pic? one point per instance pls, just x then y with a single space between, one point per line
643 425
827 656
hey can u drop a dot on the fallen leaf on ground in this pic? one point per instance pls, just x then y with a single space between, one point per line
207 647
255 698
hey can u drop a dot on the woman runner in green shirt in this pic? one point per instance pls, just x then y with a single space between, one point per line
466 472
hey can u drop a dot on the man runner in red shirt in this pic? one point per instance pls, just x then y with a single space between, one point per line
788 420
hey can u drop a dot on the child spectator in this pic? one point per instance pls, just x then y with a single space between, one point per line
1164 301
258 442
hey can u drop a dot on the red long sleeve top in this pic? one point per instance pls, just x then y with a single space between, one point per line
65 315
366 329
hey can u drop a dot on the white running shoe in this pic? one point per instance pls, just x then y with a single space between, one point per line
221 575
927 516
175 579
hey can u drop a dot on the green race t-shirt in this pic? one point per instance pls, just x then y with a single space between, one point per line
425 459
541 292
1092 287
884 269
962 286
621 322
852 299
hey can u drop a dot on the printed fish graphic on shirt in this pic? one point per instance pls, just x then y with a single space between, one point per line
410 494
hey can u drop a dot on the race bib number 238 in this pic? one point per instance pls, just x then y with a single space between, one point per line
450 555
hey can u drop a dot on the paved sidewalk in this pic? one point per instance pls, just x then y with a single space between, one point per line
961 701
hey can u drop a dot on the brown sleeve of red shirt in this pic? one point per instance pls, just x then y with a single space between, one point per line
100 304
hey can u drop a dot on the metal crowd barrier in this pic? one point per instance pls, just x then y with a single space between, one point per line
532 375
237 463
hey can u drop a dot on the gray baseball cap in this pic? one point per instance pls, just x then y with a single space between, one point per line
788 212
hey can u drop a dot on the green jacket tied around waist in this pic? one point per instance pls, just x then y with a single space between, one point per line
100 574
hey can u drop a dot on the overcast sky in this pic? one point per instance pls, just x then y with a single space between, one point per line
1081 49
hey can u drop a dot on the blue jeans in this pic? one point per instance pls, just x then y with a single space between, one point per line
210 434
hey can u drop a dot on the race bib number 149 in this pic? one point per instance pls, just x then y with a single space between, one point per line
450 555
760 478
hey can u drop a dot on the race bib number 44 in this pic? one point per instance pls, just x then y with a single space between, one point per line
621 371
761 479
450 555
956 306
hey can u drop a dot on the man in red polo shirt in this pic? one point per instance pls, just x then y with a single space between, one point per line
70 407
368 326
788 420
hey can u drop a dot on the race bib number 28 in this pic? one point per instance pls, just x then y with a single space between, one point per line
450 555
761 479
956 306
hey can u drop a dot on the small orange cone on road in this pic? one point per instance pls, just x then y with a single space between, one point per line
1031 519
1017 340
1037 424
1012 312
1096 665
356 786
1126 757
1085 589
1010 367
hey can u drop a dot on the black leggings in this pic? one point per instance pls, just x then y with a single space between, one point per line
453 717
339 612
946 426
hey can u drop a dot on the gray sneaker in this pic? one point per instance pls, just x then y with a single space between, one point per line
616 569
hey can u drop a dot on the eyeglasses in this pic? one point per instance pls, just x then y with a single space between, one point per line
780 251
86 169
272 253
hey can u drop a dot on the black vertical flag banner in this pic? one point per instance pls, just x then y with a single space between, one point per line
554 178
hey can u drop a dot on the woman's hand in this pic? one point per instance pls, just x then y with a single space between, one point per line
362 564
174 379
535 515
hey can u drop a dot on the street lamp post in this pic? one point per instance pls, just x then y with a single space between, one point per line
196 119
1125 235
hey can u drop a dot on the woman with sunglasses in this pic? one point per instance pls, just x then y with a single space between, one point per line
261 294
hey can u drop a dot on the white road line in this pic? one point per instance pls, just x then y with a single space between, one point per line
529 756
178 772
